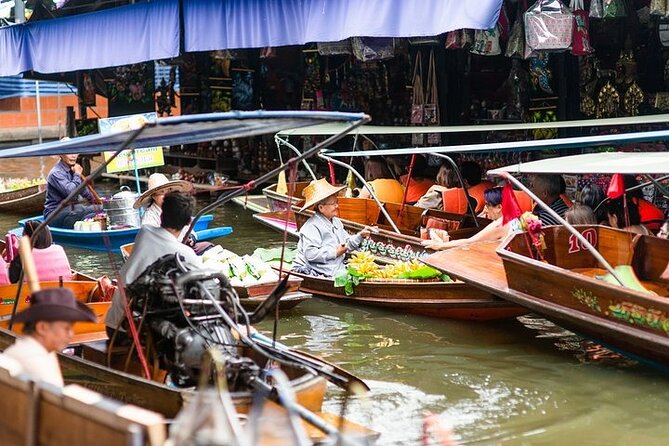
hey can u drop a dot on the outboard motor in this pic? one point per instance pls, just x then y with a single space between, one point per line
173 304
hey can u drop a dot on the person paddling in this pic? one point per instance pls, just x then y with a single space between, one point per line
48 329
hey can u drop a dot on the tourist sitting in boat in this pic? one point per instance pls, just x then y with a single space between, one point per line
151 244
48 324
624 214
378 177
472 176
547 187
580 214
323 241
420 181
50 259
66 176
439 239
448 194
651 216
152 199
592 195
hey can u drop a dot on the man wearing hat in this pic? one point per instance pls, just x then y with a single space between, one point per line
152 199
48 329
323 241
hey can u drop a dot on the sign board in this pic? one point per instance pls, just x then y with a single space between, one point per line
143 158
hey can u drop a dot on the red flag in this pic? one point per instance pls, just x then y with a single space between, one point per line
510 207
616 187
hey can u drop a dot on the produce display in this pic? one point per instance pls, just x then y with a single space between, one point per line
10 184
242 271
362 265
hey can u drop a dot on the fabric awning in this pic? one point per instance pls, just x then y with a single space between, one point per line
187 129
634 163
150 30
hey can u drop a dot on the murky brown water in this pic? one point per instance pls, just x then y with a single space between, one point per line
515 382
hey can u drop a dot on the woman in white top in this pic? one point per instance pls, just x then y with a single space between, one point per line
152 199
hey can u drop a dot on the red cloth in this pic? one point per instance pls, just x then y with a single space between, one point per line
616 187
651 216
510 207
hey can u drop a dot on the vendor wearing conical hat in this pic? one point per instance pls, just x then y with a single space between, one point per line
152 199
323 241
48 329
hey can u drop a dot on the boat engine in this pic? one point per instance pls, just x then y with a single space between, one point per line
173 306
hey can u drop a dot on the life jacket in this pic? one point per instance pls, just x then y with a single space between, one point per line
652 217
416 188
455 200
388 190
4 273
52 263
476 192
567 200
524 200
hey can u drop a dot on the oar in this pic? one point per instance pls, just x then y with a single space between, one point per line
90 188
350 382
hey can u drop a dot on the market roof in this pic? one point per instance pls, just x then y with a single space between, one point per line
186 130
335 128
603 162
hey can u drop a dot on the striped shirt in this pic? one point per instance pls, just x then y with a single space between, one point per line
558 206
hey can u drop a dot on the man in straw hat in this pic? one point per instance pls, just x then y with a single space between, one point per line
323 241
152 199
48 329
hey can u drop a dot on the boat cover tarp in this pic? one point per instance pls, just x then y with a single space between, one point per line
151 30
634 163
219 24
186 130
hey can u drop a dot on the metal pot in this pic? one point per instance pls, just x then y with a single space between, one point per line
119 208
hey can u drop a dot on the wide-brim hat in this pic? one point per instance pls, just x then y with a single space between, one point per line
159 183
318 190
55 304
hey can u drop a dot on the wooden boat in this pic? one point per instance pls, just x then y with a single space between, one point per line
88 372
29 199
453 300
113 239
563 282
253 295
281 202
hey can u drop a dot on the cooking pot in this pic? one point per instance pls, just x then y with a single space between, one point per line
119 208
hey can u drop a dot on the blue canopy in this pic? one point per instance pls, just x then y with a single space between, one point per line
151 30
187 130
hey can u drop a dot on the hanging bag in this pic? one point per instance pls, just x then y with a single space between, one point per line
596 9
613 9
548 26
417 103
431 108
580 42
658 7
516 46
373 48
486 42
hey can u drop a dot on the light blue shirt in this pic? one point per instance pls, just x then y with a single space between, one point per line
317 247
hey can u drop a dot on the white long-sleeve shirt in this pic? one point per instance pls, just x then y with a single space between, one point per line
36 361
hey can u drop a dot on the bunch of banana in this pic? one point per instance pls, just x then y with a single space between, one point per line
364 263
397 268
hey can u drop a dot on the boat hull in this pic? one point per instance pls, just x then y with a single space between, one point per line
28 200
453 300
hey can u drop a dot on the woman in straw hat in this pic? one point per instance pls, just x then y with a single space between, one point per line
323 241
48 329
152 199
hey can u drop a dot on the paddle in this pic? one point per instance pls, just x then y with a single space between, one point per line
90 188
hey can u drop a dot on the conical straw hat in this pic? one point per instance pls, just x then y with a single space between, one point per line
319 190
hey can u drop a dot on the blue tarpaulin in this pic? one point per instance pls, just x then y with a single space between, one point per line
149 31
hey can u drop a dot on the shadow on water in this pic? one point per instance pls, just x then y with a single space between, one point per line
509 382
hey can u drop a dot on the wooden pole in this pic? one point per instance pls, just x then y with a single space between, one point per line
96 197
25 251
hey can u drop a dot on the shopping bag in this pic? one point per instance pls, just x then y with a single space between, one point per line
431 110
596 9
516 46
486 42
418 101
548 26
580 42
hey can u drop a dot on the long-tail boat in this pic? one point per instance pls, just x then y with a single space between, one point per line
27 199
603 283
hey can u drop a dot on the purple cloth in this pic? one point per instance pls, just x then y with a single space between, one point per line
60 183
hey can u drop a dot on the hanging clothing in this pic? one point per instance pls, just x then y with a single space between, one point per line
317 247
36 360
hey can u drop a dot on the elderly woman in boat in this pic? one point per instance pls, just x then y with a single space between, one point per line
152 199
323 241
439 239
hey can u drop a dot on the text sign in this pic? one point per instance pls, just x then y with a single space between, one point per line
143 158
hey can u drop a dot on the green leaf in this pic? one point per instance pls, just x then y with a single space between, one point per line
424 272
446 278
341 278
348 289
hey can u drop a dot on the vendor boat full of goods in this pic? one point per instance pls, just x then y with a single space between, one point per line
603 283
199 302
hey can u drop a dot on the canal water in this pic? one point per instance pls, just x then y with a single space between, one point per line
516 382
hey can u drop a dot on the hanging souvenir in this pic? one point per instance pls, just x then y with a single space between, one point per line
587 106
516 46
417 103
633 99
335 48
596 9
663 32
548 26
580 45
373 48
613 9
486 42
541 74
658 7
454 40
503 25
431 108
608 101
